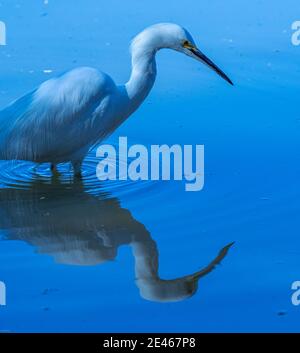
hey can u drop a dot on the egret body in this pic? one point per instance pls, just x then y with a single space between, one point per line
66 116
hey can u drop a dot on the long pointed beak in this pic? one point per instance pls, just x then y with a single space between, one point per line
203 58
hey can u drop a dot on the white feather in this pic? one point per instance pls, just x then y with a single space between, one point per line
58 119
63 118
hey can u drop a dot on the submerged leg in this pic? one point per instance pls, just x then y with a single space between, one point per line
77 168
53 167
55 172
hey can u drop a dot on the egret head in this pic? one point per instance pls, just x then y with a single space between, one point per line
172 36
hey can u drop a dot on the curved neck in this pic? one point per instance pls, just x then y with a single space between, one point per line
142 77
146 258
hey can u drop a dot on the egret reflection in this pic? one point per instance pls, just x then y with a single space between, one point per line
77 228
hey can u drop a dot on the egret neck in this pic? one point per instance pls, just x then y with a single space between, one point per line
142 77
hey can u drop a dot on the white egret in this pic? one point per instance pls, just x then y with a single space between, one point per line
66 116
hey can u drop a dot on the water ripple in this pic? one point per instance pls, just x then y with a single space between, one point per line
22 174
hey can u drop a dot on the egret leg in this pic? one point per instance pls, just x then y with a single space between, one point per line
77 168
54 170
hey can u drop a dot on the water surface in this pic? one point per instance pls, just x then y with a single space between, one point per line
121 256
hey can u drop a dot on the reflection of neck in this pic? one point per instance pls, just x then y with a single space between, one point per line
147 278
146 259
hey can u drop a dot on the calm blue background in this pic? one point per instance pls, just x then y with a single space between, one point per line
251 194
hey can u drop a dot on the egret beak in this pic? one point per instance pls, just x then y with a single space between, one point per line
205 60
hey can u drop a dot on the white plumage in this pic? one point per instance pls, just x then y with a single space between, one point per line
65 116
60 120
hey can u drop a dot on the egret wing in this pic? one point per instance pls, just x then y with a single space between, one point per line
57 119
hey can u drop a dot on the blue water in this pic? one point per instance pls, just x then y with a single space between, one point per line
66 249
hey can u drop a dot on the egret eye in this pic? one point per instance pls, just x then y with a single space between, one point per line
186 44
